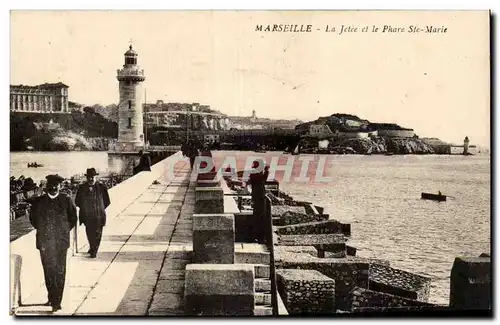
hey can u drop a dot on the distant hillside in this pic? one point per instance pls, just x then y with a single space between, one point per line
347 122
41 130
109 112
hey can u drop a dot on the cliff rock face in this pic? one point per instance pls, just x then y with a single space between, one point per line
67 141
409 146
85 130
378 145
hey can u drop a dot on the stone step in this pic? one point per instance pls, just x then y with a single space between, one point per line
262 271
262 285
263 298
263 311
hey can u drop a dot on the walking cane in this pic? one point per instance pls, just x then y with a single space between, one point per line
75 240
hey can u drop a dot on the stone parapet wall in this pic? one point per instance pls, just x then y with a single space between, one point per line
219 289
209 200
306 291
213 238
400 283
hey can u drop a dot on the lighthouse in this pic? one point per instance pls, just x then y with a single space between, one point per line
123 155
466 145
130 117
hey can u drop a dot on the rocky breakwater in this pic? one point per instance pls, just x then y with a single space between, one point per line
312 260
312 242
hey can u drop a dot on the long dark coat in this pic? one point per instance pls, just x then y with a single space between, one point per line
258 181
92 211
53 219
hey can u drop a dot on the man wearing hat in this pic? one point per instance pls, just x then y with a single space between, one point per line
53 215
92 198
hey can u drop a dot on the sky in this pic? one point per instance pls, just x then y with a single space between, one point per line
437 84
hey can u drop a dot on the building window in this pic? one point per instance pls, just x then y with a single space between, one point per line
130 60
129 104
129 122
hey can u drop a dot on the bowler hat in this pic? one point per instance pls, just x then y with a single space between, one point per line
54 179
91 172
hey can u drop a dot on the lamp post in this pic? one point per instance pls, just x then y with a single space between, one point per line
145 118
187 125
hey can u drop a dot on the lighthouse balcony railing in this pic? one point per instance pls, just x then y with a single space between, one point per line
130 72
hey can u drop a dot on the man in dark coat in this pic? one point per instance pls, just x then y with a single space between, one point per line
190 149
53 215
258 183
145 161
92 198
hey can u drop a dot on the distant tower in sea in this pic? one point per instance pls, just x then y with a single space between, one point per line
466 145
130 117
254 117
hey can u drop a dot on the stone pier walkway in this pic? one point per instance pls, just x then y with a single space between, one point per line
140 266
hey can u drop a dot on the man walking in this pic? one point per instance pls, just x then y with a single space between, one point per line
53 215
92 198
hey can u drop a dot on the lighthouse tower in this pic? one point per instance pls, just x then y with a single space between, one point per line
130 118
466 145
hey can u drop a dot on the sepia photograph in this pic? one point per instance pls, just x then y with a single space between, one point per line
279 163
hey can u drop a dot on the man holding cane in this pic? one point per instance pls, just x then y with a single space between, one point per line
92 198
53 215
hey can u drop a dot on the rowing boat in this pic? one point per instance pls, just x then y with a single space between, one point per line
434 197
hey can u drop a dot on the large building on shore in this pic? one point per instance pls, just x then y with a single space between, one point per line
44 98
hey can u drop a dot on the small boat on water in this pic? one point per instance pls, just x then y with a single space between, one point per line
34 165
434 197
